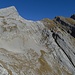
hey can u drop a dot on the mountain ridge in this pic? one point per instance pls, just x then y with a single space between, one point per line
45 47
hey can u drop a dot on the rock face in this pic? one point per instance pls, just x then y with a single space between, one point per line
73 16
67 23
35 48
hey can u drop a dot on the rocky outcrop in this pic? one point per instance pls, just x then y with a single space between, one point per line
66 23
35 48
73 16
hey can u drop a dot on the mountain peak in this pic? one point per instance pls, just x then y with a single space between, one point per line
8 11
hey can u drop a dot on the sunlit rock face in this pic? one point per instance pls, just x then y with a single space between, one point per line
34 48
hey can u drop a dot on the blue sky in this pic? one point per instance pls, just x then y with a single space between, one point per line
39 9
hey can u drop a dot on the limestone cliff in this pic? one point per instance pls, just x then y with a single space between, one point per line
45 47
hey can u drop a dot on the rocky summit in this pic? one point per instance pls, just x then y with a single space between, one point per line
45 47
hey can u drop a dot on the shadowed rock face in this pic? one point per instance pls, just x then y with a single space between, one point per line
67 23
73 16
35 48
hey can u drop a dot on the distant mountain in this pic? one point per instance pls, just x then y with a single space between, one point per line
45 47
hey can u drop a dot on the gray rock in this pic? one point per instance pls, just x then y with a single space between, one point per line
32 48
69 27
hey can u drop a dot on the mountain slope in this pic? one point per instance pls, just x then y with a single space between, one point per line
35 48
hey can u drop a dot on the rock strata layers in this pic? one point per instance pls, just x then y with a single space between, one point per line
45 47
